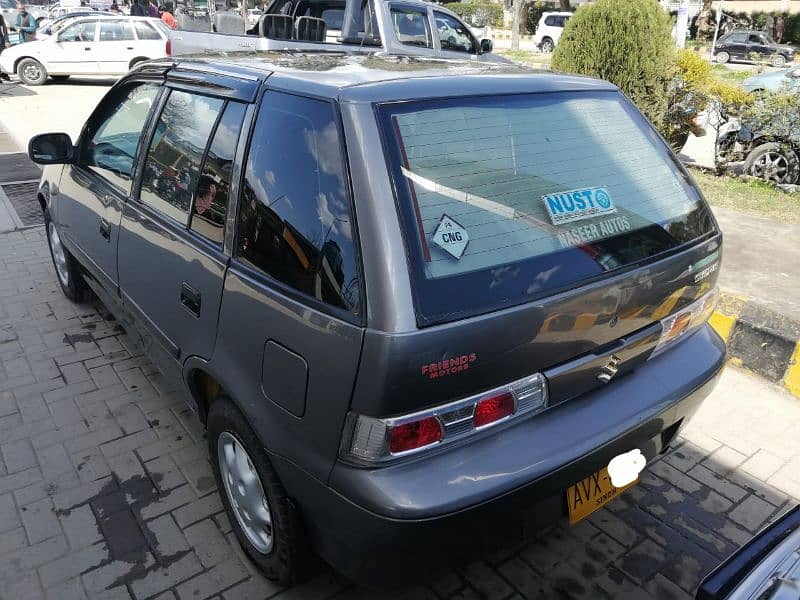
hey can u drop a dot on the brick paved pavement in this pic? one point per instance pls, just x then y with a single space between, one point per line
106 491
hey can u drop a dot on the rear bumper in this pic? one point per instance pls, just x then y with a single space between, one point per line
502 487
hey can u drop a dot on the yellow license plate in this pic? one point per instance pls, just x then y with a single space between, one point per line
592 493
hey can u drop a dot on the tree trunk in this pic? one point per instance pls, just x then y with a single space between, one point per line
564 4
515 23
703 19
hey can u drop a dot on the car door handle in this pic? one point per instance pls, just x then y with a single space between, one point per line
105 229
190 299
87 48
130 48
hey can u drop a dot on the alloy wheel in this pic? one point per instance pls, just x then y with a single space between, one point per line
32 72
772 166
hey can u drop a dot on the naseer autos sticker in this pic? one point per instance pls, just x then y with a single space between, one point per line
574 205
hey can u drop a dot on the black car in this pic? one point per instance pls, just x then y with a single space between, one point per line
752 45
765 568
418 304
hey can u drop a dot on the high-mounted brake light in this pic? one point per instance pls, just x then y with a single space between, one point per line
372 440
677 326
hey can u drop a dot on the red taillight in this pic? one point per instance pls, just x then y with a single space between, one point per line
410 436
169 47
493 409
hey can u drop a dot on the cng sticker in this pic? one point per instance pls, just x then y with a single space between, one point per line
574 205
451 237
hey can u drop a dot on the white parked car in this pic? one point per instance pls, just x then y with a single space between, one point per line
253 15
548 32
89 46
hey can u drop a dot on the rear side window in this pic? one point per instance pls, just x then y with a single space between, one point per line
172 165
507 198
411 26
145 31
294 220
115 31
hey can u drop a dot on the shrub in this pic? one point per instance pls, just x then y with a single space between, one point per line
696 74
479 14
627 43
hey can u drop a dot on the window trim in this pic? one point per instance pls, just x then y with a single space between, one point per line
258 276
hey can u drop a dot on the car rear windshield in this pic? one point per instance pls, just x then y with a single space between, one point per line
505 199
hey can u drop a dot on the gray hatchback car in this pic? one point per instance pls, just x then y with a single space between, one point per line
422 307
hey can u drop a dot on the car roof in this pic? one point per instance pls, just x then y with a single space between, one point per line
364 77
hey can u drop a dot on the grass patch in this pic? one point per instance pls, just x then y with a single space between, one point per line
725 74
754 197
527 57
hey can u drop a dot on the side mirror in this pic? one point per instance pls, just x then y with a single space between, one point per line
486 45
51 149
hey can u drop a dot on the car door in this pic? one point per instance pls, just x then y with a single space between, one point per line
758 47
94 189
74 51
171 258
116 47
735 45
411 30
290 327
453 37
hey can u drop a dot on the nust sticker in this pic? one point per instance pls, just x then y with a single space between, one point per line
451 237
574 205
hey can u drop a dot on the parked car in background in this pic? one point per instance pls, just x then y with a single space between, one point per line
549 30
752 45
506 334
88 46
407 28
765 568
784 80
253 15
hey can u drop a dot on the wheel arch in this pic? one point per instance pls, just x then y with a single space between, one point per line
136 61
21 58
203 385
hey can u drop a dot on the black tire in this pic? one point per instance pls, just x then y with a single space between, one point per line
31 72
778 61
71 278
723 57
136 61
772 162
289 561
547 45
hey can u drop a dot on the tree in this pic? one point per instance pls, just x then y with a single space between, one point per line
564 4
627 43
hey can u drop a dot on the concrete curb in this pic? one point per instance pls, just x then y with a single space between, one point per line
760 339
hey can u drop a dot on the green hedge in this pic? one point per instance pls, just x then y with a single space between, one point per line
627 43
479 14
